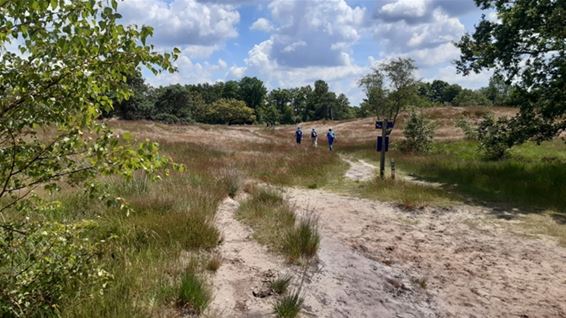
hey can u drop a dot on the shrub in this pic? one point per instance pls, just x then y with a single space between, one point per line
194 294
288 306
470 131
418 134
41 264
281 284
494 138
302 241
167 118
229 111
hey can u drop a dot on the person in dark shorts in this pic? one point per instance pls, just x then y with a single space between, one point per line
299 135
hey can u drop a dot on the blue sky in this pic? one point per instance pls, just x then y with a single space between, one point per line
289 43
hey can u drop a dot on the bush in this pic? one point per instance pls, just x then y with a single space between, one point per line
418 134
43 265
166 118
494 138
470 131
229 111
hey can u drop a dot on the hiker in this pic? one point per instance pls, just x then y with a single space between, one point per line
314 138
330 136
299 135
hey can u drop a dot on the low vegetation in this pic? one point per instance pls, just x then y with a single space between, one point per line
280 285
288 306
302 241
194 295
274 224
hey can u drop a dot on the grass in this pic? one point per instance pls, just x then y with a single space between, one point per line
302 241
142 251
273 222
269 216
280 285
214 262
531 179
288 306
194 295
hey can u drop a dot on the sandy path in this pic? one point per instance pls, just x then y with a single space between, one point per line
245 268
467 263
376 260
359 170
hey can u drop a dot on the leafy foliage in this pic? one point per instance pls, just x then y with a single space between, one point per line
41 265
418 134
388 102
73 60
526 46
494 137
229 111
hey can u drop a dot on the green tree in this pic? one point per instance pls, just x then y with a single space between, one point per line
438 90
389 102
418 134
252 92
230 111
231 90
177 103
72 59
468 97
526 45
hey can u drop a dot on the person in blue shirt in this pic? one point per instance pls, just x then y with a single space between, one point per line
330 136
298 135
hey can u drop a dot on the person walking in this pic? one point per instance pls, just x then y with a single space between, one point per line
314 138
299 135
330 136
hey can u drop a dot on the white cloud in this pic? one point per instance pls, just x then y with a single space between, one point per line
190 72
403 9
313 33
183 22
262 24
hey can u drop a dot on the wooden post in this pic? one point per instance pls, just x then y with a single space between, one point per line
392 169
382 161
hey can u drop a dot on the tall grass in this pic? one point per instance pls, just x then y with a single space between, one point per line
194 294
531 178
302 241
273 222
143 249
269 215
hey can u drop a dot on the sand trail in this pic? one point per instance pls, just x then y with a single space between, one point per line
378 260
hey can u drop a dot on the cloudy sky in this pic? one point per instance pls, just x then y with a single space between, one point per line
288 43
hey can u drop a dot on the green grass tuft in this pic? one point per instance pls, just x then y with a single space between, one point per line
288 306
281 284
194 295
302 241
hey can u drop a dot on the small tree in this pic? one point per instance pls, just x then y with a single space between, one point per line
389 102
495 137
73 58
418 134
230 111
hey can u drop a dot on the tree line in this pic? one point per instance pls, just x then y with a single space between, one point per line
248 101
233 102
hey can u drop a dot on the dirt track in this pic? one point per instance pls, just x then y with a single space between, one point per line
377 260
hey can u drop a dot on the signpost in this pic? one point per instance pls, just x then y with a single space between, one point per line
383 143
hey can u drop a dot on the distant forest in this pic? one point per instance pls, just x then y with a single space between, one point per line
248 101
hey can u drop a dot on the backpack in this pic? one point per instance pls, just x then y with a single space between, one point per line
313 134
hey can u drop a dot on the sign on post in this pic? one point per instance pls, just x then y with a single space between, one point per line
379 124
379 144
